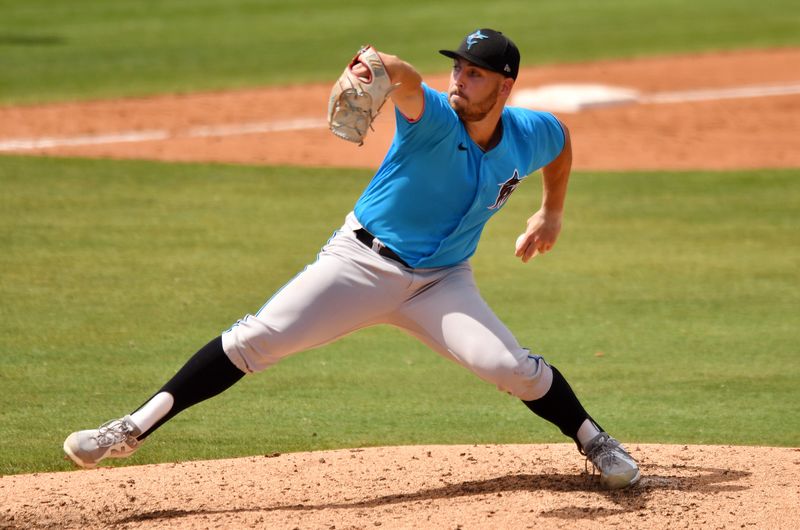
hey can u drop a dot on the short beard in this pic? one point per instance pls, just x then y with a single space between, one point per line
479 110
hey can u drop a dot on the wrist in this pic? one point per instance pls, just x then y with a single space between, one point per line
549 211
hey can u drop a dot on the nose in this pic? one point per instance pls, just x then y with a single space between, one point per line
457 78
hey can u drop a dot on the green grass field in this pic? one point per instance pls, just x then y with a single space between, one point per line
113 273
670 302
84 49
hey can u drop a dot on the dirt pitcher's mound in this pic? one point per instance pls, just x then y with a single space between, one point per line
509 486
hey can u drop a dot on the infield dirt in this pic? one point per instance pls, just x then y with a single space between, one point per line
504 487
719 133
518 486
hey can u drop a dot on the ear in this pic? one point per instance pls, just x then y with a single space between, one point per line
505 88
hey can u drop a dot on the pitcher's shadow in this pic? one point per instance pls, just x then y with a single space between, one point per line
698 479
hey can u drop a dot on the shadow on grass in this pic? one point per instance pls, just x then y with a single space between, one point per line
655 478
23 39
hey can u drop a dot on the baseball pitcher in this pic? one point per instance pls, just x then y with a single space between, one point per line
402 255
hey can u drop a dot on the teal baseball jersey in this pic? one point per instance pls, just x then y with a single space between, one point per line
436 189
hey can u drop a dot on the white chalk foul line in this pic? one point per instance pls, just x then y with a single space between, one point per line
565 98
577 97
256 128
687 96
24 144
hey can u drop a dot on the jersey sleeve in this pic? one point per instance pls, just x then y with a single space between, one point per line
436 120
547 138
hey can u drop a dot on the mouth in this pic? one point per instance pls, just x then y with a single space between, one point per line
458 95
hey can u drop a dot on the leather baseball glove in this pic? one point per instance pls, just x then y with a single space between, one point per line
355 101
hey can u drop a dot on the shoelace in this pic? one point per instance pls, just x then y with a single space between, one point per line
604 451
112 432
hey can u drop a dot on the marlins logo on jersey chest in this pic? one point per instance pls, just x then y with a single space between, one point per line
506 189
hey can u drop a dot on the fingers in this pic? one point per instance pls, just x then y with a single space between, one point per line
534 250
361 71
525 249
528 249
521 244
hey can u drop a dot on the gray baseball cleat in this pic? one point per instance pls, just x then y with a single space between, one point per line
617 468
113 439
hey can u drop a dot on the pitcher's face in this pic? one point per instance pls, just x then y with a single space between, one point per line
473 91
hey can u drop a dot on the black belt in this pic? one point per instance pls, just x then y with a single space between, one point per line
368 239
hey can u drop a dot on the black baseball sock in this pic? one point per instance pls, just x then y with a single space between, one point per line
206 374
561 407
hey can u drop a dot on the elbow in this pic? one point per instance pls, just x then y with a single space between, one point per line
565 157
567 140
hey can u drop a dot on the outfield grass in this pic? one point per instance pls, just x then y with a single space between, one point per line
84 49
670 303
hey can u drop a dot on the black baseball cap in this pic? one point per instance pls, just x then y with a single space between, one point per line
488 49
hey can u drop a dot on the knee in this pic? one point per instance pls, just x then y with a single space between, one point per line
528 377
253 346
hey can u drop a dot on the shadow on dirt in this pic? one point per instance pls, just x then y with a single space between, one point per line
687 479
655 478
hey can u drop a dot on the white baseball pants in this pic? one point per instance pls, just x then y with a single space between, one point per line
350 287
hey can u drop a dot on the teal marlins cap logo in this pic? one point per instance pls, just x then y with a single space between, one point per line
472 38
488 49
